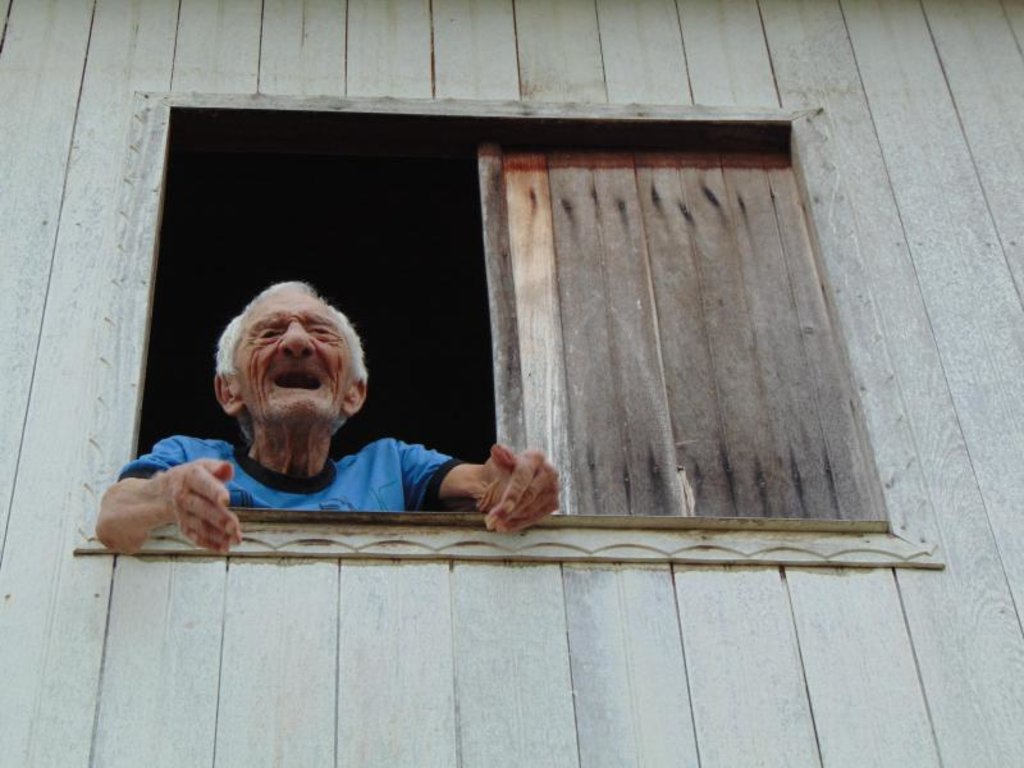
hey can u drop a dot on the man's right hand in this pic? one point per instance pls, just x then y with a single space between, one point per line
197 495
193 495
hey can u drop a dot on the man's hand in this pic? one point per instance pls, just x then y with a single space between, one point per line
198 497
193 495
521 490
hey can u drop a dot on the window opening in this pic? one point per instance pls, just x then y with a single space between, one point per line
394 242
592 223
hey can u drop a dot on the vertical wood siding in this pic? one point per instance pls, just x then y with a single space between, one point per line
489 665
964 628
747 690
873 675
474 50
513 686
396 698
162 665
630 685
276 702
302 48
72 147
642 52
40 93
389 48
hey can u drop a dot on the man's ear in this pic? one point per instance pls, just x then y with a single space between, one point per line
228 395
354 399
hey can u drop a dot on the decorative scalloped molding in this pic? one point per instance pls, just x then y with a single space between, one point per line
619 545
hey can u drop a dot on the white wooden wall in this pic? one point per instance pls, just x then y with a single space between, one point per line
121 662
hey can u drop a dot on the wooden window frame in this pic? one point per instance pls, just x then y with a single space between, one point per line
675 540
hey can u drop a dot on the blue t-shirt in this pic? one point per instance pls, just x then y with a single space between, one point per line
387 475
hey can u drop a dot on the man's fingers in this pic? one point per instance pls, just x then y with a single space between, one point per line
208 479
203 508
200 498
503 456
215 518
544 481
523 474
207 536
543 505
196 483
539 512
221 470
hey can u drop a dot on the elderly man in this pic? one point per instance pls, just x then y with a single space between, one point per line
290 369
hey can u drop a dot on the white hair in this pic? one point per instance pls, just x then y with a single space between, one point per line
228 343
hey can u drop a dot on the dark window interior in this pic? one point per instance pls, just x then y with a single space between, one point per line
393 242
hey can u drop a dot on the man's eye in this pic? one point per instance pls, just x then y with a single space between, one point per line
270 333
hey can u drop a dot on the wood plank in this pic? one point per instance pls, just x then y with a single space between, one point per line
53 622
1014 10
40 74
396 702
475 50
726 53
5 9
598 464
389 48
505 341
744 454
800 465
972 302
538 316
302 48
969 655
983 66
746 686
512 682
631 694
218 46
963 625
278 692
161 670
559 51
868 705
769 128
211 122
882 321
849 457
642 51
685 350
652 485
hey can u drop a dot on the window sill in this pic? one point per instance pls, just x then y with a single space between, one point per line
651 540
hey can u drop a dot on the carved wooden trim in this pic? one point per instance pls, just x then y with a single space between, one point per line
564 539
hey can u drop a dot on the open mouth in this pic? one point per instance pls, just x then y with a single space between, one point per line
297 380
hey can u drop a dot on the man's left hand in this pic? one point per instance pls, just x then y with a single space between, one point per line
523 489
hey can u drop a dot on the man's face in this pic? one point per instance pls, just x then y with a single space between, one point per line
292 366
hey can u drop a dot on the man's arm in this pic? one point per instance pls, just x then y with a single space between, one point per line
193 495
515 491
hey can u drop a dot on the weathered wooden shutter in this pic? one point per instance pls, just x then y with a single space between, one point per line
662 327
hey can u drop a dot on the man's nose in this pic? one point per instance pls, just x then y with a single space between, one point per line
296 342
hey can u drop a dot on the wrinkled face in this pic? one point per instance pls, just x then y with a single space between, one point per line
292 366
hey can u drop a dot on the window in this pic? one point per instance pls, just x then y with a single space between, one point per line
635 262
393 241
659 322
